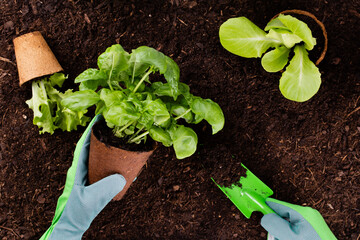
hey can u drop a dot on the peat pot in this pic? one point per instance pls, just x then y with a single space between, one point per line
34 57
106 160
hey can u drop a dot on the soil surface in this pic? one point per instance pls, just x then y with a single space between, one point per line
105 134
308 153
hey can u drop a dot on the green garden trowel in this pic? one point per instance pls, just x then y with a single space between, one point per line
249 194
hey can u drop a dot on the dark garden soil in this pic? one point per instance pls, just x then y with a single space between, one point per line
308 153
105 134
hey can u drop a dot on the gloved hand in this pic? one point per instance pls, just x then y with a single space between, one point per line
80 204
294 222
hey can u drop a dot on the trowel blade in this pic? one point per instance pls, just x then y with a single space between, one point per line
249 194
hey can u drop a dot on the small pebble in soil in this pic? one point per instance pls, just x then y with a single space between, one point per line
192 4
330 206
336 61
24 10
176 188
9 25
41 199
160 181
338 179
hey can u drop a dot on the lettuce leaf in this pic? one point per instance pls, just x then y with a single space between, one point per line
242 37
301 80
42 107
276 59
299 28
49 113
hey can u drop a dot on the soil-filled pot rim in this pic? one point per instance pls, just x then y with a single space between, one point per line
105 160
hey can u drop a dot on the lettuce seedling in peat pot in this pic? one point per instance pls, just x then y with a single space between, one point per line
49 113
136 107
301 79
37 63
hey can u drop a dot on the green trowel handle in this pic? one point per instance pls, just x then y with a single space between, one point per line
266 210
258 201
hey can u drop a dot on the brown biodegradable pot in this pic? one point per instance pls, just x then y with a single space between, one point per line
106 160
34 57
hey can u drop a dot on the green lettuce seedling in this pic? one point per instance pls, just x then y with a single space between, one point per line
49 114
301 79
135 106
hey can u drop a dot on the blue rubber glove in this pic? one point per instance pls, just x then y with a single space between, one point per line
294 222
80 204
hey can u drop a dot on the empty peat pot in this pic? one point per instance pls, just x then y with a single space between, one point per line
105 160
34 57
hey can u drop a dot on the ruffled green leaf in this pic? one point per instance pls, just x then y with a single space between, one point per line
64 118
68 119
242 37
299 28
42 107
49 113
276 59
57 79
301 80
